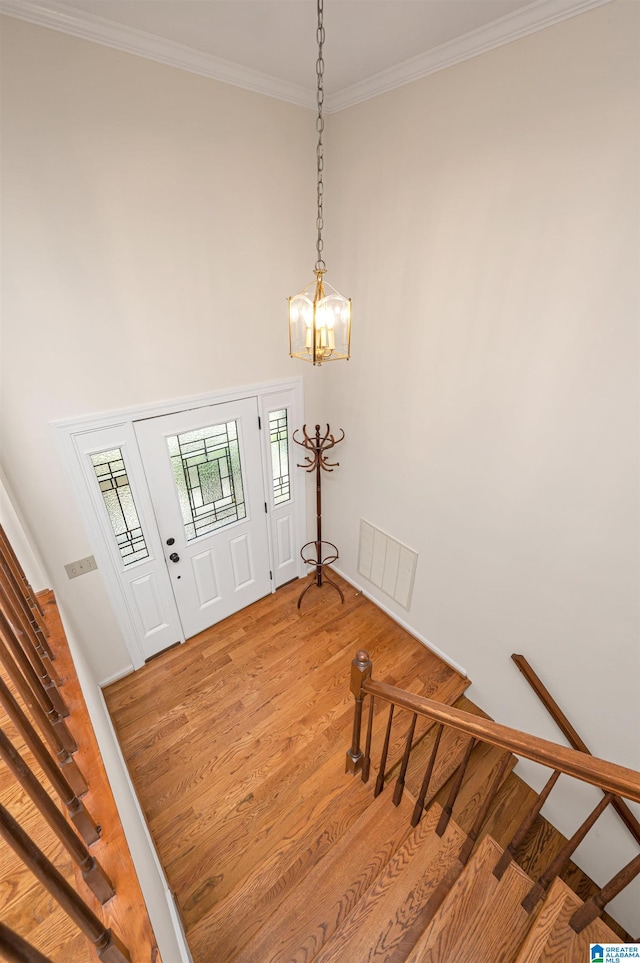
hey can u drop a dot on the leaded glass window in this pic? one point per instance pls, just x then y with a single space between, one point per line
278 437
208 476
116 491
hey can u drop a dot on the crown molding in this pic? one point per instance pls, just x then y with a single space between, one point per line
536 16
89 26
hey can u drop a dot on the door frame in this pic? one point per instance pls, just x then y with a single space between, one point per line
77 436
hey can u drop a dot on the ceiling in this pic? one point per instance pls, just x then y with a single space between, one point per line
270 45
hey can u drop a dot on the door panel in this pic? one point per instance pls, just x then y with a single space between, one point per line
204 573
148 606
240 561
204 471
285 551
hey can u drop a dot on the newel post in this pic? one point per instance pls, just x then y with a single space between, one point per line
360 672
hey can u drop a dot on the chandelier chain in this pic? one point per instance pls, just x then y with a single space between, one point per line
320 265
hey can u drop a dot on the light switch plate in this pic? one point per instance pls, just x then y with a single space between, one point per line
81 567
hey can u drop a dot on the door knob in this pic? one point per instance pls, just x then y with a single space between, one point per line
174 557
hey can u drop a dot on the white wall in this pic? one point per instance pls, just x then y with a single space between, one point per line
485 222
489 240
151 231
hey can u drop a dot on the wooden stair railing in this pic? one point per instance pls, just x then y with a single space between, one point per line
75 783
614 780
26 657
12 655
574 740
108 946
92 872
7 552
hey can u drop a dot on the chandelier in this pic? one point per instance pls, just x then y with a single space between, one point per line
319 317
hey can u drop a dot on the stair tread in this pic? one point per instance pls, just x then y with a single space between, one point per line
391 915
312 912
551 939
481 917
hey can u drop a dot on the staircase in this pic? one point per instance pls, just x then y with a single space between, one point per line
362 884
69 892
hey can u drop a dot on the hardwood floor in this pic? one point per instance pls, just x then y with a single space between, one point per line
236 741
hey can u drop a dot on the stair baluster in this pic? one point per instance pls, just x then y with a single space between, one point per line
32 617
455 789
107 945
419 806
525 826
92 872
17 950
594 906
6 549
474 832
11 626
14 605
398 791
76 809
14 659
385 752
65 760
366 762
541 886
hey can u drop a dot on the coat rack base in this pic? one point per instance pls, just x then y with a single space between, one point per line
325 554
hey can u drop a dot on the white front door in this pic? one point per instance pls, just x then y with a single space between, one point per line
205 478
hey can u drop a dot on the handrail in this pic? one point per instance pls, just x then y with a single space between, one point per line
598 772
573 738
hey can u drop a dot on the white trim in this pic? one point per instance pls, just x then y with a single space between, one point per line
65 440
185 955
401 622
293 402
66 432
536 16
108 419
103 683
88 26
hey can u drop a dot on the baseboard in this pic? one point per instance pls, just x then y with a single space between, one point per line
114 678
405 625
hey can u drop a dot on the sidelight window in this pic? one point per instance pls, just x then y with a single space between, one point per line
279 440
116 491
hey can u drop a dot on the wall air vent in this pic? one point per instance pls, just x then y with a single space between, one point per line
387 563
